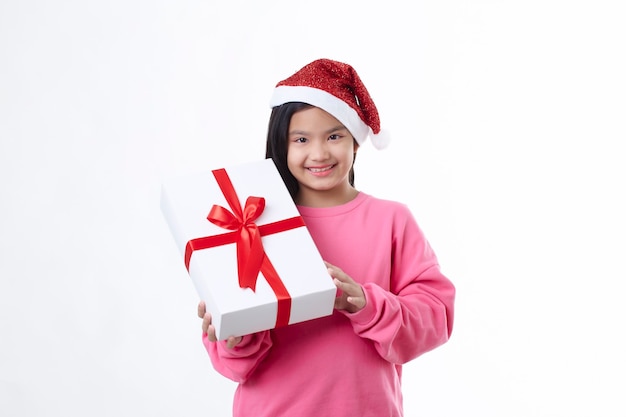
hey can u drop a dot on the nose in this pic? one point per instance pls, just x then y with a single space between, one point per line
319 150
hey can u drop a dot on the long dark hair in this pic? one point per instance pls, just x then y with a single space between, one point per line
276 145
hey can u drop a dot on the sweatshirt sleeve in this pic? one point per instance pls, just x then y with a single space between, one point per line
239 362
415 313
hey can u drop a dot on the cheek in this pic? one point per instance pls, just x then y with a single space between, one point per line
292 159
294 155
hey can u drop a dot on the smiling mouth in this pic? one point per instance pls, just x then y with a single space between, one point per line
316 170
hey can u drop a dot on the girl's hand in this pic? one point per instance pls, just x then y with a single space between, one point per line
209 329
351 297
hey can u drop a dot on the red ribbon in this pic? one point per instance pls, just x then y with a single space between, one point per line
251 257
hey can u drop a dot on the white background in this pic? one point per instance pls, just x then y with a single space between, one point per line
508 123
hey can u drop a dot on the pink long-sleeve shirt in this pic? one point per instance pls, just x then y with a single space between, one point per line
349 364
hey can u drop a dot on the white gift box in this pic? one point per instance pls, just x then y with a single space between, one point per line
293 284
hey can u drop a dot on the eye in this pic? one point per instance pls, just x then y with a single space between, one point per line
334 137
300 140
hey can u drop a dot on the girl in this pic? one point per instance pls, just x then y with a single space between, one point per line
393 302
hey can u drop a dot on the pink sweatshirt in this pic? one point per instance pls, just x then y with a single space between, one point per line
349 364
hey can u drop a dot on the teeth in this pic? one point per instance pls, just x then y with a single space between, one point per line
320 169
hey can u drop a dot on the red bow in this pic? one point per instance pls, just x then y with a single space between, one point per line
250 251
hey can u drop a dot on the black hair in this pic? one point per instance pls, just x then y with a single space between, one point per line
276 145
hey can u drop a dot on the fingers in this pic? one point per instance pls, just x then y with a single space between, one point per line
209 329
352 293
351 296
201 309
232 341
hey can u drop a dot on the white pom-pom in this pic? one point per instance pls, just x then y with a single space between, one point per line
381 140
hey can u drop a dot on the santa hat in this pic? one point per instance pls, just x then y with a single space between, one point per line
336 88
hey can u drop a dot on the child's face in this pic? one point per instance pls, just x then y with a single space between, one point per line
320 152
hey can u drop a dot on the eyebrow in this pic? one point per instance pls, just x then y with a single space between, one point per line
331 130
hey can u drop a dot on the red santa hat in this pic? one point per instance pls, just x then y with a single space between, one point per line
336 88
